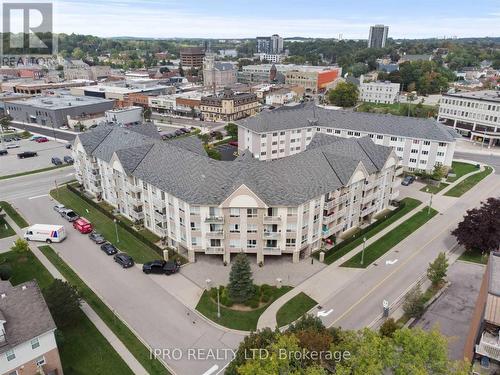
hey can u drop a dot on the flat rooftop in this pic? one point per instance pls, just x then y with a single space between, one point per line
60 101
486 95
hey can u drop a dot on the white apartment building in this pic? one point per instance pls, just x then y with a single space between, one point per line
200 205
378 91
125 116
271 57
475 114
420 144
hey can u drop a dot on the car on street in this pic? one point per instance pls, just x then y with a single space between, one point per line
408 180
27 154
160 267
56 161
64 127
68 214
124 260
68 159
35 137
3 152
179 132
185 130
68 146
109 249
158 129
41 140
233 143
12 145
83 226
59 208
97 238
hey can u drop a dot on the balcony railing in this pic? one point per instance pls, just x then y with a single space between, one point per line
214 250
215 234
395 195
214 219
138 215
160 216
489 345
134 188
268 234
159 203
161 230
272 219
271 251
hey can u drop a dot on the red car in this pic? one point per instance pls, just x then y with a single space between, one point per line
83 226
234 143
41 140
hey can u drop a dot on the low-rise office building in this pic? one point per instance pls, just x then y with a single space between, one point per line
229 106
378 91
200 205
192 57
419 143
313 79
27 341
475 114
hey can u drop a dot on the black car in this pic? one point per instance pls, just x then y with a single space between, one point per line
408 180
109 249
178 132
68 159
68 146
3 152
56 161
185 130
124 260
97 238
27 154
160 267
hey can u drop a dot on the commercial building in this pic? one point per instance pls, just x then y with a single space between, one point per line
27 341
313 79
192 57
474 114
271 57
55 110
119 90
229 106
201 205
378 36
218 74
272 45
378 91
125 116
420 144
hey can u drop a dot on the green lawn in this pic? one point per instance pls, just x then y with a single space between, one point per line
467 184
5 229
294 309
14 215
434 189
82 348
391 239
474 256
460 169
398 109
126 336
242 320
339 251
104 225
33 171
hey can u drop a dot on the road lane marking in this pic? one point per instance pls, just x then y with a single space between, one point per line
324 312
391 261
395 270
211 370
38 196
223 368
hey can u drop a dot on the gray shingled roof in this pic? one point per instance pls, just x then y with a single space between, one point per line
494 279
300 116
197 179
25 312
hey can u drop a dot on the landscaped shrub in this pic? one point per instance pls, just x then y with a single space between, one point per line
5 272
253 302
225 299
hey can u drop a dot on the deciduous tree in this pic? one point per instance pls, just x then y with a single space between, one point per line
345 94
63 301
436 272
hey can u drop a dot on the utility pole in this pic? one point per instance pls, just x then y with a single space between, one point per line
363 252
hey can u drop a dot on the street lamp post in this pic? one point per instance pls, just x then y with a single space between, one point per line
218 303
430 202
116 231
363 252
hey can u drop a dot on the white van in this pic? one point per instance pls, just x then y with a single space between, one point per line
45 232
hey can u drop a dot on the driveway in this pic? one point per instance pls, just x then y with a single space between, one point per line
452 311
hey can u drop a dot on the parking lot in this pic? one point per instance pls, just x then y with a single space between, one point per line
11 164
227 152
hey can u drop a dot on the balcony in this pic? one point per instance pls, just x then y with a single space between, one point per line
399 171
272 219
134 188
395 195
160 216
368 198
219 250
215 234
161 230
214 219
271 251
159 203
137 215
489 346
270 235
368 210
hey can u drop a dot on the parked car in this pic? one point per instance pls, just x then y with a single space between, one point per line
185 130
82 225
68 146
3 152
64 127
97 238
59 208
408 180
233 143
109 249
160 267
35 137
68 214
7 140
41 140
45 233
13 145
124 260
68 159
56 161
158 129
27 154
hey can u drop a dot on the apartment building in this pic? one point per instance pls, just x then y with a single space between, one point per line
201 205
270 44
474 114
378 91
229 106
27 341
377 36
420 144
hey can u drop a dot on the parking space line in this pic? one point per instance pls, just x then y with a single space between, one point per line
38 196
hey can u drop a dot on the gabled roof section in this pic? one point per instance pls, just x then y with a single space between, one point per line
342 166
190 143
131 157
376 153
91 139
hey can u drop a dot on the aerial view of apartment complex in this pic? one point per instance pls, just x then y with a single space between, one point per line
247 188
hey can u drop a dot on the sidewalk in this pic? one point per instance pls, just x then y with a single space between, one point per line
115 342
336 277
468 146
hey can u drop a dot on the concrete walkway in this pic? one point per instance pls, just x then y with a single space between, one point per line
322 285
115 342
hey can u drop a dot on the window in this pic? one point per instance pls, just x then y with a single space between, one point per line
263 153
337 131
235 244
282 133
34 343
10 355
195 210
350 133
442 144
380 137
316 217
291 227
394 139
251 244
413 160
234 212
251 212
40 361
234 228
357 134
304 238
416 141
251 228
290 242
275 134
291 211
263 136
414 151
427 143
195 241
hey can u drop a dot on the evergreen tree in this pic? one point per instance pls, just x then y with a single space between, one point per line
241 286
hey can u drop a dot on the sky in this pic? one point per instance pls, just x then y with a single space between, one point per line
249 18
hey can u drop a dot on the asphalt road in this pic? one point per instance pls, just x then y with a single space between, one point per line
49 132
492 160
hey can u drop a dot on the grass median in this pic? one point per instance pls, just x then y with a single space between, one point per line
340 250
474 256
5 228
126 336
14 215
294 308
434 189
464 186
391 239
236 319
82 347
460 169
33 171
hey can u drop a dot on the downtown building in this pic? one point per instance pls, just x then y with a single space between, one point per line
420 144
378 91
200 205
377 36
474 114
